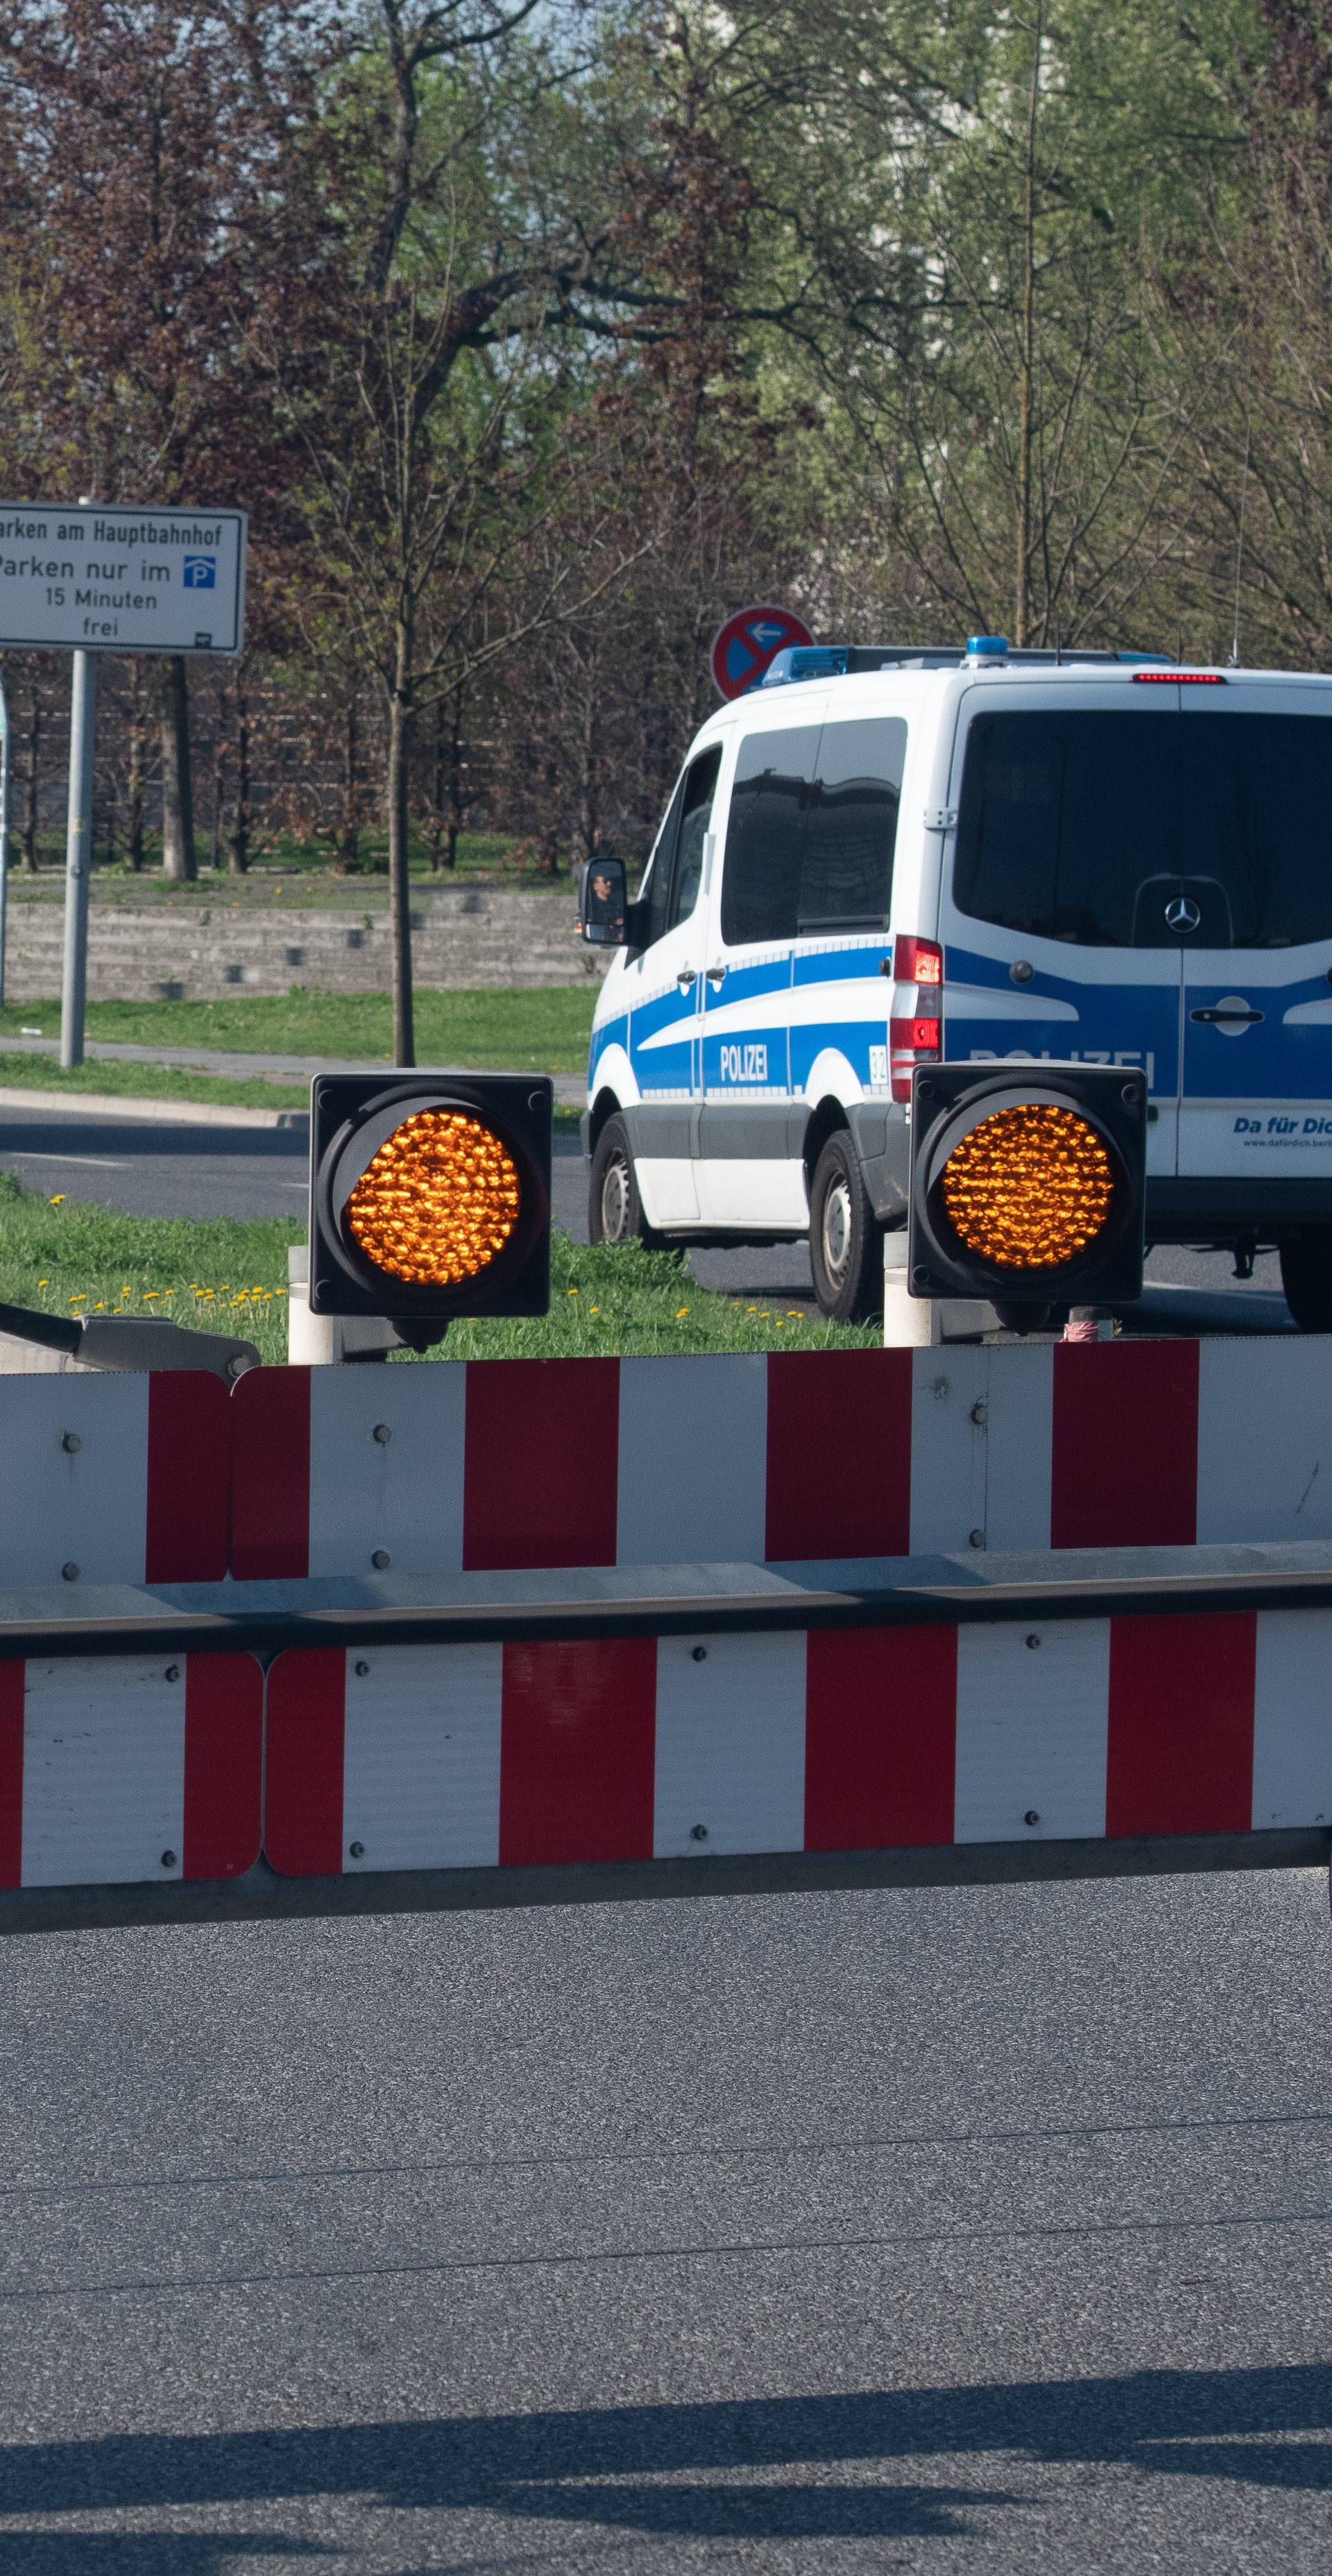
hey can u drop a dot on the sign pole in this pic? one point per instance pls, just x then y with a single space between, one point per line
4 825
78 847
78 855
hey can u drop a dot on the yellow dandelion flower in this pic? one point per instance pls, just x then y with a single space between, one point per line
680 1311
149 1294
58 1200
43 1283
100 1307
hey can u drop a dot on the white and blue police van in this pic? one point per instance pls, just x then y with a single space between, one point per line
884 857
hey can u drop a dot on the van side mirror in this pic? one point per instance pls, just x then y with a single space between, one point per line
603 903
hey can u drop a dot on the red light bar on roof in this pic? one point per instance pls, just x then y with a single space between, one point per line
1184 679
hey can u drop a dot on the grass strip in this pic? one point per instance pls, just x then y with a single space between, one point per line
150 1082
69 1256
40 1073
544 1029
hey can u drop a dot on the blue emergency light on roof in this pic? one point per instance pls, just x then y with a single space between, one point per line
805 662
987 648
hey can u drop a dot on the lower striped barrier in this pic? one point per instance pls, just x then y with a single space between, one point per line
530 1753
879 1722
121 1769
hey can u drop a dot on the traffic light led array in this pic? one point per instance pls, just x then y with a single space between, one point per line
429 1196
1028 1192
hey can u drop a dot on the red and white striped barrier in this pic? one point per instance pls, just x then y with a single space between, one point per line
114 1479
120 1768
604 1749
800 1455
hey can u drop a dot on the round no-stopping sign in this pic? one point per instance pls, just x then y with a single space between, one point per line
746 644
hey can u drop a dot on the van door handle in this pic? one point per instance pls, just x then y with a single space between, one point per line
688 975
1228 1019
716 974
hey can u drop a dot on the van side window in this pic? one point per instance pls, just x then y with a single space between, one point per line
700 786
846 868
809 845
656 889
670 889
761 878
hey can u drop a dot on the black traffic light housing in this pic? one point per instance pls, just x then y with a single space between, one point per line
351 1116
948 1101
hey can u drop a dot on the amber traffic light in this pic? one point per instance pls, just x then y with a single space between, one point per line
1027 1192
430 1196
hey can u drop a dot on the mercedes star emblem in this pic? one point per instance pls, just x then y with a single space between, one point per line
1182 914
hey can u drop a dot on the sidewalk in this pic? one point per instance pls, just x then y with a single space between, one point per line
570 1088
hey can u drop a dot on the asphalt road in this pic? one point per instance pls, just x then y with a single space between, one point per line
178 1170
981 2231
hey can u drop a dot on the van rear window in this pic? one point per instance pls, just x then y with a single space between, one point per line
1086 826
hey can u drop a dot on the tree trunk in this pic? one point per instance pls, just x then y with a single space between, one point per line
32 784
399 758
1026 386
178 860
217 834
455 780
349 838
589 783
437 791
238 838
134 794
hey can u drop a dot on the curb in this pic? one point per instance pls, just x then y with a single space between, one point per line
183 1113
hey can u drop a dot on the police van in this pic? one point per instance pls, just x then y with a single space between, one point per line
883 857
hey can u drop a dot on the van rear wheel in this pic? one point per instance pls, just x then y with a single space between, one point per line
845 1243
1306 1276
614 1208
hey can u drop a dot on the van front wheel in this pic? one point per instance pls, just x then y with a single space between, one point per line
845 1243
1306 1276
614 1208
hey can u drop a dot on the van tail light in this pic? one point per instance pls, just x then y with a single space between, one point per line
910 1042
917 961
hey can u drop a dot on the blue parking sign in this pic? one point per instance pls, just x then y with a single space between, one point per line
200 572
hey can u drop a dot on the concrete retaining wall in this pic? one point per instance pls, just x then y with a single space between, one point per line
461 937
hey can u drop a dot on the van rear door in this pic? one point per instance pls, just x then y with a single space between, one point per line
1064 797
1255 930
